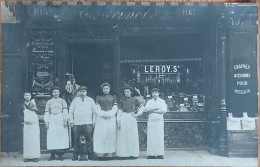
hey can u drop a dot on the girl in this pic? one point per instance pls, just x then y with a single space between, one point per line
56 119
104 137
127 131
31 130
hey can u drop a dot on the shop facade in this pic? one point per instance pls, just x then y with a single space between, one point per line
202 56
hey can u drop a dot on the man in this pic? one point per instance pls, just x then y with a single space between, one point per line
81 118
155 128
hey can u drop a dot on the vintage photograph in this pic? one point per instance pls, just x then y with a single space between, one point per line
129 84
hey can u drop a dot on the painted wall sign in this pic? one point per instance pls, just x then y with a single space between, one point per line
242 79
42 60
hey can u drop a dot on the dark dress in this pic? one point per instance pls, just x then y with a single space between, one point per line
104 137
127 134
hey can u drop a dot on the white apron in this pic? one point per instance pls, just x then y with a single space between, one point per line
127 137
155 135
57 135
104 137
31 136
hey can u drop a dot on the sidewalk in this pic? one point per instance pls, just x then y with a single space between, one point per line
172 158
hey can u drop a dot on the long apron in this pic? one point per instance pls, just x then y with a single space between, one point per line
31 137
127 137
155 135
104 137
57 135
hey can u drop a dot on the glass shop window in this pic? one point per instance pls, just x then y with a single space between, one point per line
181 82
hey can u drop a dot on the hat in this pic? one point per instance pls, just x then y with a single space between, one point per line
82 88
105 84
155 90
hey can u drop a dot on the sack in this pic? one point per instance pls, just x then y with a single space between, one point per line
248 123
233 123
30 116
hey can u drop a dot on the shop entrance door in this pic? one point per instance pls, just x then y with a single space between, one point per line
92 63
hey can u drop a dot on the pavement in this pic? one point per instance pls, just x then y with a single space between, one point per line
172 158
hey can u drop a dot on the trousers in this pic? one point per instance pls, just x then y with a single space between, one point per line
87 131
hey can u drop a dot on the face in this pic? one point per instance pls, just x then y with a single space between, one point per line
27 96
56 93
127 93
155 94
106 90
82 93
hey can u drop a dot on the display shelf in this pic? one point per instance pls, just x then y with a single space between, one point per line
160 60
179 116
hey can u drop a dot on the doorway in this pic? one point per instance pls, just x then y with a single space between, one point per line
92 63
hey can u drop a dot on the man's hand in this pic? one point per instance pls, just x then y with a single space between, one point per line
27 123
119 124
65 124
71 125
47 125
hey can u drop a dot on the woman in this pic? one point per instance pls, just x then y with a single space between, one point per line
155 126
127 132
56 118
104 137
31 130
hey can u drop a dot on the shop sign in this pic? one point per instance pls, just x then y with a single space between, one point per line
160 69
241 77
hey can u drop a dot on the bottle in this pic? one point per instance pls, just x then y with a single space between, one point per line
138 78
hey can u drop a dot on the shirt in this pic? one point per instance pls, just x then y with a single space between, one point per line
81 112
129 104
106 102
158 104
55 106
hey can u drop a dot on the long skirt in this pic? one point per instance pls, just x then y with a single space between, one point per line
127 137
57 135
104 137
31 141
155 138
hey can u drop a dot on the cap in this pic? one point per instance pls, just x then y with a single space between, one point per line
82 88
155 90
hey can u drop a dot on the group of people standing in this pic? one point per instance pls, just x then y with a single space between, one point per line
108 124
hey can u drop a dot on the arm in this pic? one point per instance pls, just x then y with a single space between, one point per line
94 115
149 107
162 109
47 114
140 110
112 112
33 108
65 111
71 112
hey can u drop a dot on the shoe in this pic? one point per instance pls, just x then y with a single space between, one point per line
151 157
83 158
132 157
61 157
51 158
35 160
26 160
75 157
92 157
160 157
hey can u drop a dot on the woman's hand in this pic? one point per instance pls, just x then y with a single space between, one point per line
47 125
65 124
71 125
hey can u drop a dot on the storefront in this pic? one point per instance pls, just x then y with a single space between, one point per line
202 56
